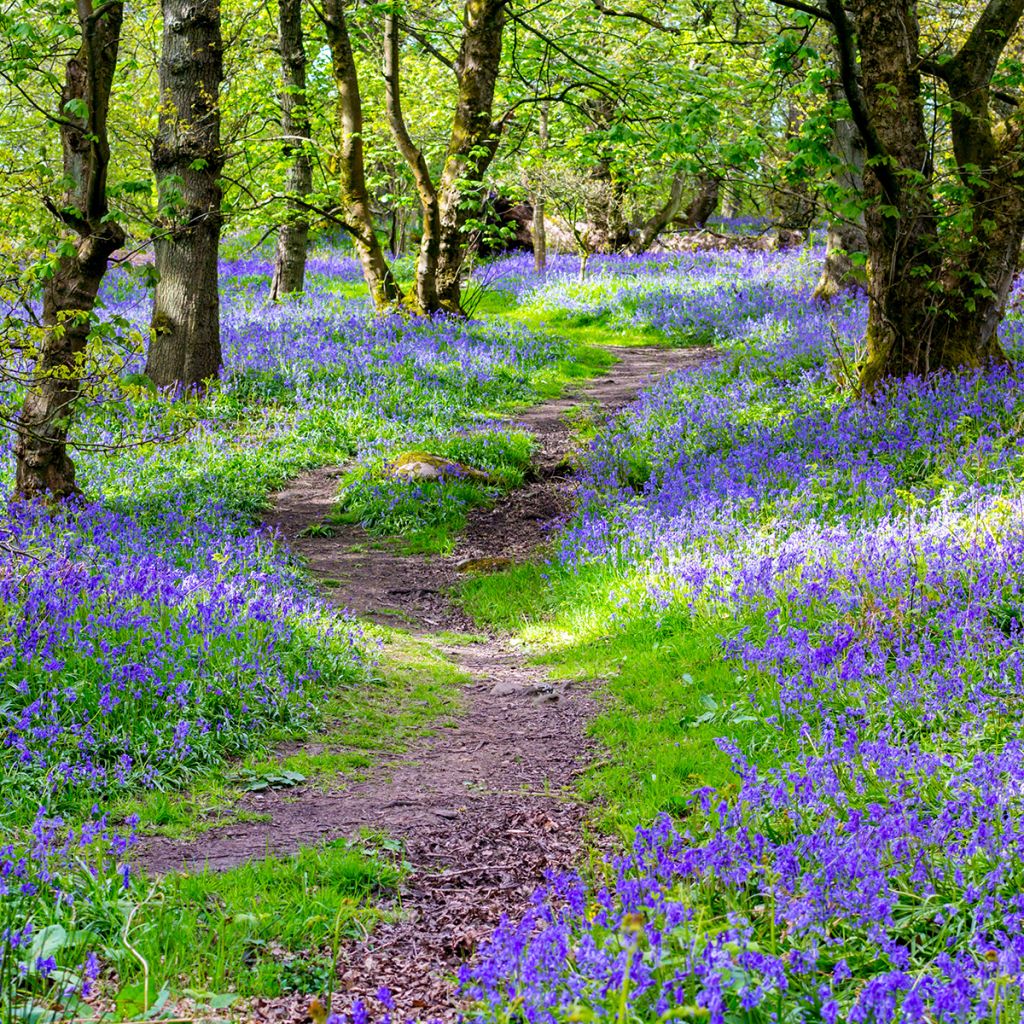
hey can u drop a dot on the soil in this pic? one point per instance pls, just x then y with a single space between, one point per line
484 808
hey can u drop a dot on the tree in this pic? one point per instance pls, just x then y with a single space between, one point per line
539 228
293 235
942 257
705 200
652 228
427 298
187 163
69 294
355 198
474 139
846 243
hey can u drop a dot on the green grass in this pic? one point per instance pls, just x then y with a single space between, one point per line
425 517
667 692
587 332
268 927
413 689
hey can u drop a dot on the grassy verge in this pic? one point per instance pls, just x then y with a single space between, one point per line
411 689
425 517
669 694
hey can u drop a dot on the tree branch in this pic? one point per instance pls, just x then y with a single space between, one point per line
977 59
805 8
847 49
659 26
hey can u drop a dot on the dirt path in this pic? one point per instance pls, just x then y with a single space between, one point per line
484 807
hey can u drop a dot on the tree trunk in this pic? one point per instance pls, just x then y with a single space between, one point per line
705 202
661 219
847 238
795 204
539 228
474 140
187 158
293 235
384 290
936 295
43 464
609 225
427 298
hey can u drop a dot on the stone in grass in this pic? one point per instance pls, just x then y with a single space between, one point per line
424 466
493 563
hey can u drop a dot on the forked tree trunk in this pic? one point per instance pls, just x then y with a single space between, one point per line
936 294
427 298
355 200
474 140
43 464
293 235
660 219
187 162
606 216
705 201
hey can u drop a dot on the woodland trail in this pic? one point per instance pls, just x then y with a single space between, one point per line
483 808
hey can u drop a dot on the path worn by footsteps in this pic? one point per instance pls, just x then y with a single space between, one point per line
483 808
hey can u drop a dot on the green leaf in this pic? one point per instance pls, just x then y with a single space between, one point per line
47 942
77 108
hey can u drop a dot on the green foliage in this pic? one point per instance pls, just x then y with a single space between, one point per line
266 927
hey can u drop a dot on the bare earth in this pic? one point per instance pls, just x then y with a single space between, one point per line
484 808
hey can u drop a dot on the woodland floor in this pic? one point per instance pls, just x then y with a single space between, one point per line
484 807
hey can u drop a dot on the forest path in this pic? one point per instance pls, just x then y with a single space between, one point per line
483 807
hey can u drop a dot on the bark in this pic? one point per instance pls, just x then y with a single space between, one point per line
705 202
794 201
539 229
427 298
847 237
539 232
936 298
474 140
43 464
606 215
355 200
660 219
293 235
187 162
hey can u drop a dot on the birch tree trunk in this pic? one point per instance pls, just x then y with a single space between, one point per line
293 235
43 464
187 162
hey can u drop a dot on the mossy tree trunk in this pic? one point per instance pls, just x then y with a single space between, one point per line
293 235
43 464
937 294
427 298
473 143
385 292
187 162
